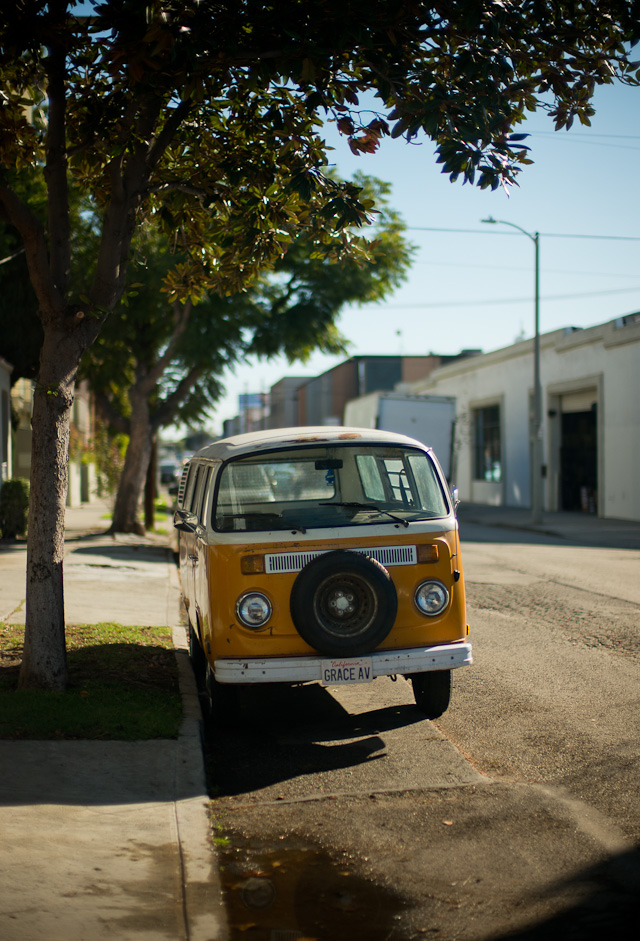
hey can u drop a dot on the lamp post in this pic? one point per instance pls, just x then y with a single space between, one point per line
536 489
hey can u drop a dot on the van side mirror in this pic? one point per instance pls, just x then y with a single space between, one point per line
455 496
184 521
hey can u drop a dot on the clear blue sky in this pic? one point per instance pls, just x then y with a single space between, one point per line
474 289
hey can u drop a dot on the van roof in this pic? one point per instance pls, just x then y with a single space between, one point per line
236 445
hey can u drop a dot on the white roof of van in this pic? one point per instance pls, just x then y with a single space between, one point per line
236 445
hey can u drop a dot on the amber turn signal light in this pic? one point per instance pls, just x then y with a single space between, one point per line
427 553
252 564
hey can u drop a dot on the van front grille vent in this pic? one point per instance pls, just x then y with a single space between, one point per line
279 562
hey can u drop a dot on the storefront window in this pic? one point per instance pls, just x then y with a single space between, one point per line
487 445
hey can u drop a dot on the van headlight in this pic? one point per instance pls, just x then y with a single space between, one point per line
431 597
253 609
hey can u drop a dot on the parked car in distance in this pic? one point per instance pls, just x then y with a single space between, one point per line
170 472
322 554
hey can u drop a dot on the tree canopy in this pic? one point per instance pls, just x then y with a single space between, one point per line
21 335
157 363
204 119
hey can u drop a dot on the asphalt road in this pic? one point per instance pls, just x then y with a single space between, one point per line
342 813
554 695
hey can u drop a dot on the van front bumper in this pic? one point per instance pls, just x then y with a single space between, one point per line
308 669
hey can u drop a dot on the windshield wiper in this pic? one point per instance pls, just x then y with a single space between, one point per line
373 508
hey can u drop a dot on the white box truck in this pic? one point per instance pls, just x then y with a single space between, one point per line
429 418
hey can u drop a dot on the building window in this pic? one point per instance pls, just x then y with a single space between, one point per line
487 451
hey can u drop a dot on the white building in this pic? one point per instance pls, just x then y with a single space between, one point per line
590 381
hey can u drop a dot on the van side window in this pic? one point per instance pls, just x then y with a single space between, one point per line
201 494
428 486
192 483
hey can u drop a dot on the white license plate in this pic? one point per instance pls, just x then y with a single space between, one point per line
345 672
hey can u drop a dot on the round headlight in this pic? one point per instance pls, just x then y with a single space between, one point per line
431 597
253 609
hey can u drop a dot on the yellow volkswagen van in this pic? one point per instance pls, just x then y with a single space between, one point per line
321 554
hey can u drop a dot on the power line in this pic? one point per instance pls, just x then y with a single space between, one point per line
589 143
584 134
618 238
505 300
547 271
556 235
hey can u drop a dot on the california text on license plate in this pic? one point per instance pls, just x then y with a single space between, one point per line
336 672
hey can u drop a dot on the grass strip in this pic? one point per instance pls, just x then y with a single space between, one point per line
123 685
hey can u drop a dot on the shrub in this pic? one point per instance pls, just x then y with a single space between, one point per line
14 507
109 452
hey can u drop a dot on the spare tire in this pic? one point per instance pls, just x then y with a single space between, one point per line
343 604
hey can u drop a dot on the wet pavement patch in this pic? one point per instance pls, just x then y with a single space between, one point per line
292 888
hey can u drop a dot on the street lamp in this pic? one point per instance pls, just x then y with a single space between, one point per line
536 489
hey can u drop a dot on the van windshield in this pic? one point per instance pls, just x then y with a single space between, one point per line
319 487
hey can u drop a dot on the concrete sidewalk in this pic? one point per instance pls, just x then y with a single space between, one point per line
107 839
581 529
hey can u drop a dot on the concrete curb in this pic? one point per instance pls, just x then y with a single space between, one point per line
202 890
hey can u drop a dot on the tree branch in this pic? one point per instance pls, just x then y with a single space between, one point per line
181 314
33 236
167 411
55 170
161 142
128 186
110 414
179 186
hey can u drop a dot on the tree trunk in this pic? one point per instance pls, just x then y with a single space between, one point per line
44 662
150 488
126 510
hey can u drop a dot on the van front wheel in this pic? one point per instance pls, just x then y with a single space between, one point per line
432 692
222 701
198 659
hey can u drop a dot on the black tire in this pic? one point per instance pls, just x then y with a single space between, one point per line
432 692
221 700
198 658
343 604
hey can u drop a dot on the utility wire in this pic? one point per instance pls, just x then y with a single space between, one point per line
563 271
556 235
589 143
583 135
505 300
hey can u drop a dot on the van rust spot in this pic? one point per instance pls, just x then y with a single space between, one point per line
307 438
